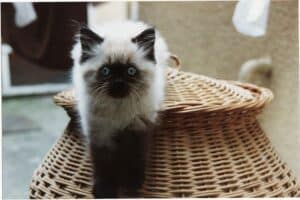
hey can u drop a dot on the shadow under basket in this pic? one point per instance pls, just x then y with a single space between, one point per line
209 144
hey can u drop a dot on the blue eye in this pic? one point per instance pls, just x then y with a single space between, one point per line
105 71
131 71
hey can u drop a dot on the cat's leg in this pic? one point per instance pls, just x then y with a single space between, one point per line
132 153
104 167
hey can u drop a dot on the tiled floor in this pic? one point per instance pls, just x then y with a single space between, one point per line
30 127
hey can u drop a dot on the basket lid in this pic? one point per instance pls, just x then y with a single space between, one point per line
188 92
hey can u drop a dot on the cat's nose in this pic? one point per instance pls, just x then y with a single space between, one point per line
118 88
118 81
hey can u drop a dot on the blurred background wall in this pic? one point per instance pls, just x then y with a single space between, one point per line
203 36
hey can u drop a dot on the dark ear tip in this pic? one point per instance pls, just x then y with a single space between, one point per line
150 31
88 34
146 40
143 35
77 25
83 29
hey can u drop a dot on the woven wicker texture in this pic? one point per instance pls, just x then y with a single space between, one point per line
209 144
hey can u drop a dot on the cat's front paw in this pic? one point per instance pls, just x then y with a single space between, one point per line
133 181
101 191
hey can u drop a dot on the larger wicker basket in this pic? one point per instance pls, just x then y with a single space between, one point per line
209 144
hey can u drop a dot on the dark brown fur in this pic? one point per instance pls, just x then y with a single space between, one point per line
121 167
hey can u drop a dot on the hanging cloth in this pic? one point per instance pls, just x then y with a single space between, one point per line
47 39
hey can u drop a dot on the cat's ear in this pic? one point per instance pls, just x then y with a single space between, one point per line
88 39
146 40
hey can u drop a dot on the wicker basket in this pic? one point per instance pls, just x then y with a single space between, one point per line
209 144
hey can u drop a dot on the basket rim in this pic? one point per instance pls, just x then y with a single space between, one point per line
262 96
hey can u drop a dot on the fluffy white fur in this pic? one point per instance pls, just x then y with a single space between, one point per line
116 114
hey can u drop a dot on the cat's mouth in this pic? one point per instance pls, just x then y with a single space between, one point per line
118 89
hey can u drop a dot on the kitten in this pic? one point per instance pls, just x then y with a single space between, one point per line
119 79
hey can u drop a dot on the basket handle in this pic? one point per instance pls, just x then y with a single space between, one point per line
176 61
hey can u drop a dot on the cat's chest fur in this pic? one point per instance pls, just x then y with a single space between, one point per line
106 119
117 114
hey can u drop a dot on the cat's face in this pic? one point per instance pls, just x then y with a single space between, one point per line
117 69
118 80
